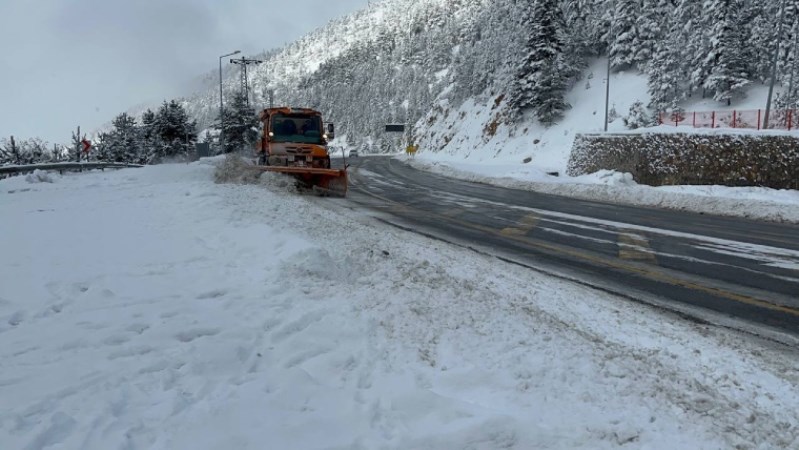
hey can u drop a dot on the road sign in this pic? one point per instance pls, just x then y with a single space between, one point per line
87 145
395 128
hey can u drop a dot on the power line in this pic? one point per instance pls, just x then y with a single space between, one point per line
244 62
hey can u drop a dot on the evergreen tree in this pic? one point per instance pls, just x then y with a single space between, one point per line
727 73
76 149
759 31
651 30
123 143
176 133
239 125
638 116
8 152
540 84
578 42
102 151
150 142
624 34
576 18
689 31
29 151
665 69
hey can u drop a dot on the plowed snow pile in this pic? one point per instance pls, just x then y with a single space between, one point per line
155 309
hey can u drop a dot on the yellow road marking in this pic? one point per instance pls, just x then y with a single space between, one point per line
526 224
452 212
635 247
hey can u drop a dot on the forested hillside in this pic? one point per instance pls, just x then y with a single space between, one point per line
396 60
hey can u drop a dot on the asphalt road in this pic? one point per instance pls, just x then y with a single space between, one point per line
732 272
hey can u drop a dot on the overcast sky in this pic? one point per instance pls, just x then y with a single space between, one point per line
66 63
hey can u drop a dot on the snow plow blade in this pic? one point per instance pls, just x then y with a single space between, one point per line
326 182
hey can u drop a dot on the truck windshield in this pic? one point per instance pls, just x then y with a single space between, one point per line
297 128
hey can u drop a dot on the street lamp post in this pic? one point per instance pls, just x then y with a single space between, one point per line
221 105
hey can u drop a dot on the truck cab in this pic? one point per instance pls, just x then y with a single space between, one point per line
294 137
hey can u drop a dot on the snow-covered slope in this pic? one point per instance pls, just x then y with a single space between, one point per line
384 27
462 134
153 309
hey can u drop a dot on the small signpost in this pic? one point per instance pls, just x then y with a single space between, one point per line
87 145
395 128
410 149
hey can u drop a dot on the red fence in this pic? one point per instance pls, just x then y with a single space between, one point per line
779 119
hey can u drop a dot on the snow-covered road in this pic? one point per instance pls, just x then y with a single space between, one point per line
151 308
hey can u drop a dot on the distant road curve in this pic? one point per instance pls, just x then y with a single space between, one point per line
728 271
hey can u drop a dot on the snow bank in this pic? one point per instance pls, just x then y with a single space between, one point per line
39 176
779 205
171 312
238 170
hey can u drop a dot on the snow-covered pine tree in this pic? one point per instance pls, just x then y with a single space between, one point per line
239 125
575 14
728 71
624 34
75 149
27 151
652 26
540 84
24 153
761 29
174 129
101 150
690 31
123 143
39 149
578 41
148 135
791 62
7 152
638 117
666 74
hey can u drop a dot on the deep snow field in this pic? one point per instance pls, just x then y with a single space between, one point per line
155 309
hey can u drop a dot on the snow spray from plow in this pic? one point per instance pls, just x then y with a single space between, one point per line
325 182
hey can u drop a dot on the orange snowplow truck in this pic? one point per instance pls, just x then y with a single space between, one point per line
294 141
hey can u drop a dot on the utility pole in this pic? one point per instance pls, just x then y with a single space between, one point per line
77 144
244 62
221 105
607 80
774 64
271 98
